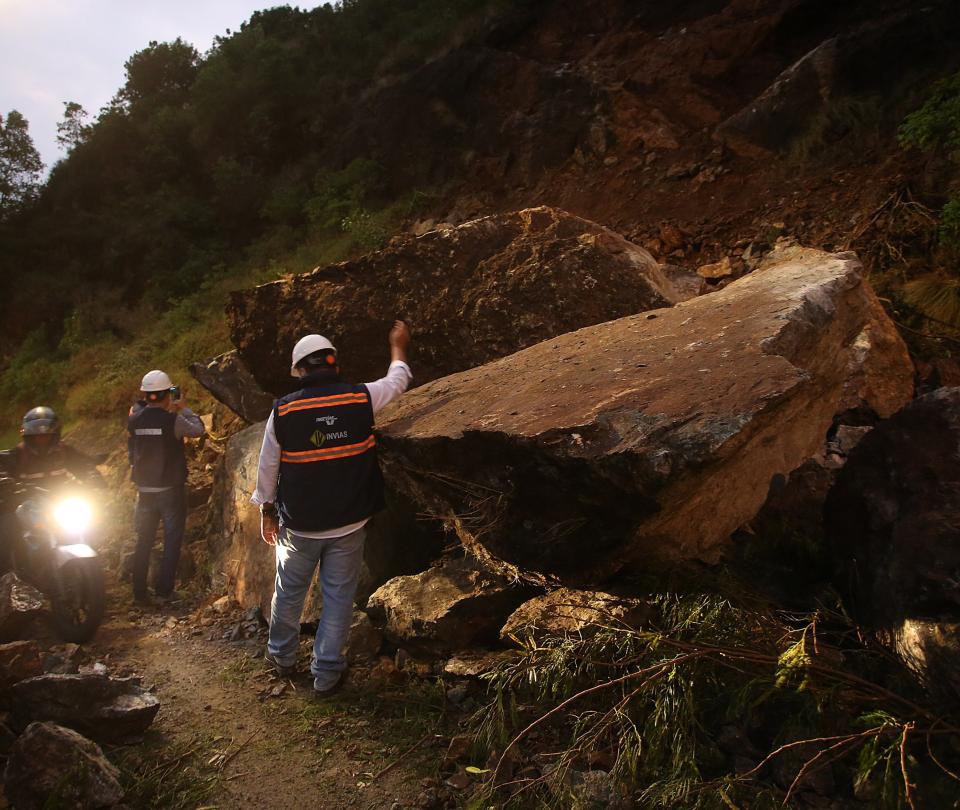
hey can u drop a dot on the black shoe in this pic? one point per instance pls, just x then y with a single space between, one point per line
167 598
320 694
283 670
143 600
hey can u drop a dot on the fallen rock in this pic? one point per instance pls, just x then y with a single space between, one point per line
224 604
52 766
891 521
652 437
19 660
474 293
230 381
20 605
364 641
458 751
103 708
448 607
932 650
397 543
566 611
474 663
717 270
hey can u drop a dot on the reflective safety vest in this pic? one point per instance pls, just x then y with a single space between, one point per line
329 475
156 454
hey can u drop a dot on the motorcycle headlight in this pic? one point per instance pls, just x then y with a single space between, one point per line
73 515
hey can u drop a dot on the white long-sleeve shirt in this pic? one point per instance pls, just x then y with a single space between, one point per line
382 393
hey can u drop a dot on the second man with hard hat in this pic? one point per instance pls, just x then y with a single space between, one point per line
157 426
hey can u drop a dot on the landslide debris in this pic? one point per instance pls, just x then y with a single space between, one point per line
473 293
653 436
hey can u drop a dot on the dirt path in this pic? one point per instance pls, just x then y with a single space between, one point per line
232 735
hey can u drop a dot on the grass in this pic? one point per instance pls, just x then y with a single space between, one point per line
237 670
182 775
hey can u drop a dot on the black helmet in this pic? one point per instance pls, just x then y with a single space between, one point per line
40 421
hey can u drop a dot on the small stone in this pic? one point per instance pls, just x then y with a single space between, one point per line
20 605
19 660
223 604
721 269
457 751
461 780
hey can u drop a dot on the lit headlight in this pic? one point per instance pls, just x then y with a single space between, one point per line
73 515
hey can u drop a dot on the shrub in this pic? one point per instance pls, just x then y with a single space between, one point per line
936 125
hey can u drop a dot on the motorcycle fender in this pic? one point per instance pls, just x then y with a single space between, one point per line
75 551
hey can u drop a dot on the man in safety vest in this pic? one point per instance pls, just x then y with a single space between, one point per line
317 486
157 426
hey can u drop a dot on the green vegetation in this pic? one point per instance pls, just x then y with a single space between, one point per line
935 127
716 706
205 173
180 776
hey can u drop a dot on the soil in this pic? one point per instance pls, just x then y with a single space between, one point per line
254 749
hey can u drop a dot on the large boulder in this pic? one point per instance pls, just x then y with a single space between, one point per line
20 606
103 708
892 520
448 607
230 381
52 766
654 436
396 542
472 294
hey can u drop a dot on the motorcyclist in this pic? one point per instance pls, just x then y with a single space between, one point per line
42 459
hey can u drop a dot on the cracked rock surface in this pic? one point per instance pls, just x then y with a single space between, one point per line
651 437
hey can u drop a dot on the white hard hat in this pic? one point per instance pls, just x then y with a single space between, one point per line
155 380
307 346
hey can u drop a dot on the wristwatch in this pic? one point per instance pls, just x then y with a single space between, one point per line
268 509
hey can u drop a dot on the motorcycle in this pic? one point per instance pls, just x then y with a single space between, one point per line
54 554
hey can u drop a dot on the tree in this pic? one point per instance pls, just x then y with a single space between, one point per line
20 164
72 130
161 72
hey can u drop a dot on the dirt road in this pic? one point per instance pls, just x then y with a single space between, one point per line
230 734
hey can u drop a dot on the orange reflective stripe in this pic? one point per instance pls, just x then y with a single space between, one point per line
351 398
343 451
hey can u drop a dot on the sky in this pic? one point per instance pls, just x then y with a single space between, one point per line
52 51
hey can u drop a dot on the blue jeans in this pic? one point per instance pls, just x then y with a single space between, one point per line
169 506
340 559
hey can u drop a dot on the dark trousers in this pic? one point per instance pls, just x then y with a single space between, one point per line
169 506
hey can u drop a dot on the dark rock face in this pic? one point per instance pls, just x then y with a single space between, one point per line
893 516
446 608
871 58
20 605
473 294
19 660
230 381
52 766
654 436
105 709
